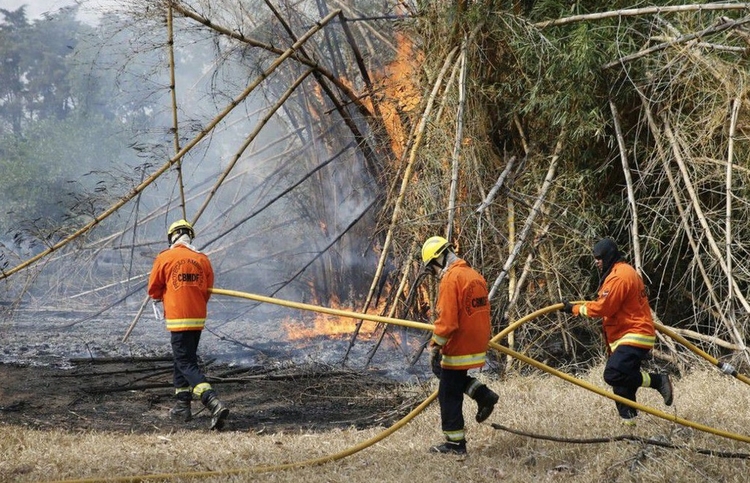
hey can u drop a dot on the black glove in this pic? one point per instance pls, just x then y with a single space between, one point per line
435 358
567 307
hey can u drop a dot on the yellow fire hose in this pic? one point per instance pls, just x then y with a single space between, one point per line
324 310
493 344
723 366
402 422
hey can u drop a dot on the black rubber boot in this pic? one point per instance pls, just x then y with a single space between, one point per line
486 400
219 412
450 447
181 411
663 384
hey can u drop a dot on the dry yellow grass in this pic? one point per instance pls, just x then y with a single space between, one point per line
537 404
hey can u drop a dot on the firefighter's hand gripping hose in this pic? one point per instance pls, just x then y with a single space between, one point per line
398 425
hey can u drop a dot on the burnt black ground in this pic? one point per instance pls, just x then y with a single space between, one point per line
134 396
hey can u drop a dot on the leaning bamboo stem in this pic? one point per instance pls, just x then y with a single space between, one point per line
632 12
258 128
396 215
535 210
728 214
510 207
455 72
457 141
631 195
696 205
683 214
498 184
686 226
405 270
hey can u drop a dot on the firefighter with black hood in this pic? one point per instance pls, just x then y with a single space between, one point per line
459 340
622 303
181 277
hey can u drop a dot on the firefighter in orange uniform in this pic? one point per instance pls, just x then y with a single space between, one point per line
622 304
459 340
181 278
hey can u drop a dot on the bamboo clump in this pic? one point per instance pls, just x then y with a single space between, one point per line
629 123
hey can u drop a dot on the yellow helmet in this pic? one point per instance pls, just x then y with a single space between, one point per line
433 248
182 226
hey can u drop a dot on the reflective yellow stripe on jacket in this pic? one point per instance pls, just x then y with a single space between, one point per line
460 362
638 340
176 325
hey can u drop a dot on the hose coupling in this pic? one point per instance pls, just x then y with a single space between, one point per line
727 369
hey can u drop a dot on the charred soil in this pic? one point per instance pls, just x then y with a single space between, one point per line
134 396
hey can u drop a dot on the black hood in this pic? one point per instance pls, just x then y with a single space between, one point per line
606 249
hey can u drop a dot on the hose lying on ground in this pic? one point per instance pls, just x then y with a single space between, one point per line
398 425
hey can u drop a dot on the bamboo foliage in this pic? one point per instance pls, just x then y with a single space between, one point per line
527 90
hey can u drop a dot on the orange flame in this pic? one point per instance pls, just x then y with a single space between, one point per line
325 325
332 326
399 86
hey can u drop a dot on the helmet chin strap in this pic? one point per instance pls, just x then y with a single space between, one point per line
438 264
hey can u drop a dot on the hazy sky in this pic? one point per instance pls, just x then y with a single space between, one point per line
35 8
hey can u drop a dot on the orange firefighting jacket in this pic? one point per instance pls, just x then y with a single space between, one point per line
181 277
462 326
624 309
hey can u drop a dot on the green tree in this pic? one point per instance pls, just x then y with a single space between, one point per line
34 80
59 142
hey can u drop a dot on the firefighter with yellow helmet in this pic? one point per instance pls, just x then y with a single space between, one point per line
181 277
459 340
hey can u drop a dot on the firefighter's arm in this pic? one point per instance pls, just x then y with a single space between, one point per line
446 322
607 304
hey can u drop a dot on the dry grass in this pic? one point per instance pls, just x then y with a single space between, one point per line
538 404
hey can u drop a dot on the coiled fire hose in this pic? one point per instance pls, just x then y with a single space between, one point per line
414 412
